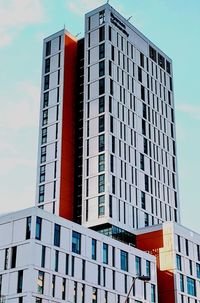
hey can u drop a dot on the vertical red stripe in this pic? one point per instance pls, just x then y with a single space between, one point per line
68 129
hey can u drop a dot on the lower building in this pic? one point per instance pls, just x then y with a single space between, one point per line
45 258
177 250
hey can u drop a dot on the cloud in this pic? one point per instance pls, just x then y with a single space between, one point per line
15 15
191 110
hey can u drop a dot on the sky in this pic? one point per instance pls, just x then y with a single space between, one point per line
173 25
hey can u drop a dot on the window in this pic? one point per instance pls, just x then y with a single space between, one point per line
110 33
63 289
28 228
101 51
94 249
46 82
42 173
139 74
75 292
94 295
57 235
110 206
43 154
44 135
101 86
45 117
101 33
105 253
101 105
101 183
38 228
153 293
41 193
111 163
178 262
111 87
101 143
168 67
141 59
146 182
76 242
186 247
112 52
13 256
46 99
198 270
148 268
48 48
101 17
43 256
101 205
142 93
191 286
138 266
101 162
124 260
53 285
101 124
152 54
6 258
143 127
101 68
142 161
47 65
146 219
83 269
113 185
56 260
181 282
161 61
20 281
66 264
40 282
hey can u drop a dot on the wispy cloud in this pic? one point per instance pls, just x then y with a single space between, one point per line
80 7
15 15
190 109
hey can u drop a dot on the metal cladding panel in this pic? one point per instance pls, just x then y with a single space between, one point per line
68 129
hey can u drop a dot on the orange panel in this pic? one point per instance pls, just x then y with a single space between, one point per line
68 129
153 242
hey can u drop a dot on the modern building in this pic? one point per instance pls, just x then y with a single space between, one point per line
113 91
45 258
177 250
107 161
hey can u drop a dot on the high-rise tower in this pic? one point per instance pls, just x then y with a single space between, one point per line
107 144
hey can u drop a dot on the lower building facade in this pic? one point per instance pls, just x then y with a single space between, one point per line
45 258
177 250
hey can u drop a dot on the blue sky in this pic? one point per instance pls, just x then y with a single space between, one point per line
171 24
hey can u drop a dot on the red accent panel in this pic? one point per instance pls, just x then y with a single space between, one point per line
68 129
152 242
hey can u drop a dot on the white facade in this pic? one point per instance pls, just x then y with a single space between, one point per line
42 260
129 169
179 256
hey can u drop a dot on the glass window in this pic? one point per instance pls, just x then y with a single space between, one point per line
101 205
101 124
94 295
198 270
101 68
45 117
76 242
44 135
94 249
20 281
101 105
143 200
46 99
43 256
101 51
6 259
105 253
101 143
57 235
153 293
40 282
101 17
101 86
191 286
101 162
47 65
13 256
41 193
124 260
181 283
38 228
28 228
101 33
46 82
138 266
101 182
48 48
178 262
56 260
148 269
63 289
